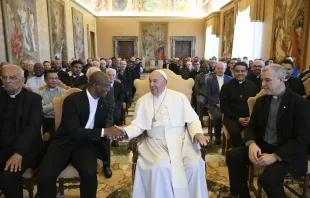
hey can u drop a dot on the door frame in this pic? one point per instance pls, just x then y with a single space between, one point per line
192 39
116 39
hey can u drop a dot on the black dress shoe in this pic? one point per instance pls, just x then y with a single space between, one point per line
218 141
107 172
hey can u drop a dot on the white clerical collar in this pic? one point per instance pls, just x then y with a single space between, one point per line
112 83
240 82
220 76
90 97
52 89
13 96
286 79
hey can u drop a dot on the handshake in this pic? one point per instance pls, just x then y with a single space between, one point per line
115 133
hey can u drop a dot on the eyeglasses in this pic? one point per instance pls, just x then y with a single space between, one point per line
257 66
288 69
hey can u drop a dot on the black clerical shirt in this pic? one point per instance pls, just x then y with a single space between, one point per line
234 96
8 127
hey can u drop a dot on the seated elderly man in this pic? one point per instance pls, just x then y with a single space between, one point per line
20 130
278 137
170 164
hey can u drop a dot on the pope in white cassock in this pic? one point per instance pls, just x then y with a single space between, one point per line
169 163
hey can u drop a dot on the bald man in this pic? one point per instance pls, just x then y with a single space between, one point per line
21 118
170 163
81 129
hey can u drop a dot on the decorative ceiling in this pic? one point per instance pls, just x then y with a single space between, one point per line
182 8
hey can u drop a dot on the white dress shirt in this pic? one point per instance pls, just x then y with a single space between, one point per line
35 83
220 80
92 112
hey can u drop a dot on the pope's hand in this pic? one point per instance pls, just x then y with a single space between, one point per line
114 133
202 139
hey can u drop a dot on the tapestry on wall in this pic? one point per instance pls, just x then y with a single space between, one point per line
78 34
58 45
21 30
154 41
289 30
228 33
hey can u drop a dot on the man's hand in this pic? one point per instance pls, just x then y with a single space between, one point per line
14 163
244 121
218 106
114 133
201 139
117 80
254 153
266 159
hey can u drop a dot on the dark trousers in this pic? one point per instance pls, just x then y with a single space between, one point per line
271 179
217 122
11 182
103 151
83 157
201 102
234 129
118 115
49 125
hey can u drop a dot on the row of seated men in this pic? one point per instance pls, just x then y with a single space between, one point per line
208 84
277 135
22 115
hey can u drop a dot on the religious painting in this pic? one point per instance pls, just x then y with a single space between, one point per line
154 40
155 6
290 31
183 6
120 5
58 45
102 5
78 34
228 33
21 30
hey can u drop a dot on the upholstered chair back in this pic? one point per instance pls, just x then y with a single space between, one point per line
252 100
175 82
58 102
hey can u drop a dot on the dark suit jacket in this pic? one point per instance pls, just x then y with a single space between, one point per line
129 76
64 77
213 91
74 119
296 85
173 67
201 85
228 72
29 117
118 94
293 128
257 81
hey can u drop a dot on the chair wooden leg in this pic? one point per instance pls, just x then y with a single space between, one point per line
305 186
224 144
61 187
210 128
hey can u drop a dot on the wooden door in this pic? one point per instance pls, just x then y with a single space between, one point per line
125 49
183 49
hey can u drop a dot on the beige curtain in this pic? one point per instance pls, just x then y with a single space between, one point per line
257 9
214 20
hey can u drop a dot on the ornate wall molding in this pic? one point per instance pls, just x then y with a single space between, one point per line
192 39
116 39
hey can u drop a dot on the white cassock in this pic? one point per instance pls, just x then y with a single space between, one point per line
169 163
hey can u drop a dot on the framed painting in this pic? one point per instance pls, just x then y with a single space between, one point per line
154 40
21 34
290 33
228 32
78 34
57 29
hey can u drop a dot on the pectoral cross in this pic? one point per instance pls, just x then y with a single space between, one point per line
154 119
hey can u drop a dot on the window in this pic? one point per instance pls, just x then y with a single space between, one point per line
212 44
247 36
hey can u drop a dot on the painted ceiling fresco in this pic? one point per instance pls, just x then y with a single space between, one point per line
187 8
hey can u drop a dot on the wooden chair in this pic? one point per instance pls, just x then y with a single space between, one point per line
69 174
175 82
306 77
210 125
307 86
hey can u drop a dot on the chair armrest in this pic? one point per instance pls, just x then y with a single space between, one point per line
134 143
